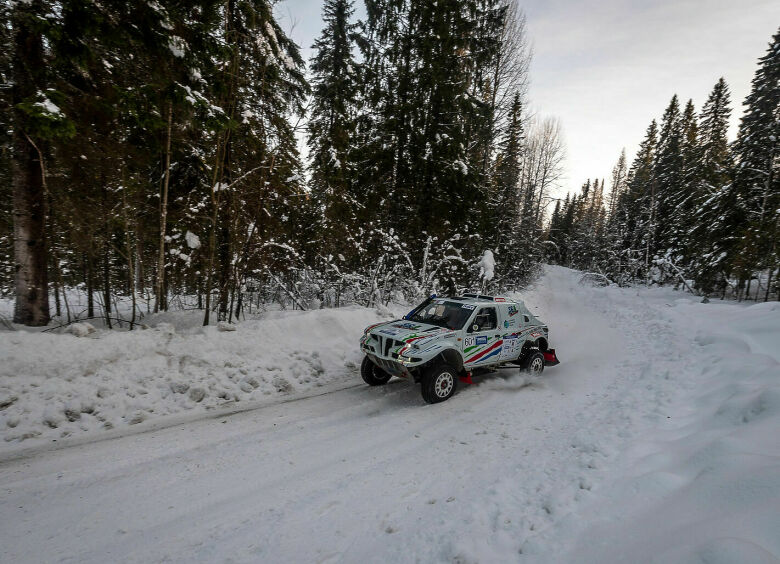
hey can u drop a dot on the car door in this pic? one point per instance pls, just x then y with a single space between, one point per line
512 324
482 344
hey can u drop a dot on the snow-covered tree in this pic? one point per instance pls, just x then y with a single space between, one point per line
332 127
757 173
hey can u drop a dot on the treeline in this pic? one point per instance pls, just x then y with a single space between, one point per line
692 209
149 152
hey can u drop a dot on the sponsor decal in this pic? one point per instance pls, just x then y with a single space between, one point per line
511 348
492 350
537 334
481 340
407 326
392 332
512 310
468 306
499 299
414 338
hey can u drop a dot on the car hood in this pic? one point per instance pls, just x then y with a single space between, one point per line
410 332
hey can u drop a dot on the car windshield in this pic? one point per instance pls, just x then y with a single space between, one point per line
452 315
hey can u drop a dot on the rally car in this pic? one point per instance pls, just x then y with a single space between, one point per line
444 340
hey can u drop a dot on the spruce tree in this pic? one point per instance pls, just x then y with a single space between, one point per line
757 174
332 126
503 222
668 180
707 231
618 186
638 202
6 128
716 159
616 222
35 118
684 201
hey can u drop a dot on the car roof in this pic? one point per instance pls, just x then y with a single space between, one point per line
482 299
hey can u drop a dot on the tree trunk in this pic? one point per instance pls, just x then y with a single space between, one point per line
224 268
129 251
58 310
90 287
29 198
159 302
58 271
106 286
106 254
225 242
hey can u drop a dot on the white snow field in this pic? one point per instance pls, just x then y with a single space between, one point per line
657 439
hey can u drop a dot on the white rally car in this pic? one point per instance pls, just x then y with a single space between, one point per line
444 340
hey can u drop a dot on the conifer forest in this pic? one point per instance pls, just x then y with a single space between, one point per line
150 159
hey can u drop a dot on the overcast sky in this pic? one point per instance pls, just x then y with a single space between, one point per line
606 68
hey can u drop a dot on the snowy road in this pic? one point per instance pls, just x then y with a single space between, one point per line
504 471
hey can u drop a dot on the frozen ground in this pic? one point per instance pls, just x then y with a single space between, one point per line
655 440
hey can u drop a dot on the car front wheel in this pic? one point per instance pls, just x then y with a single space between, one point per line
372 374
439 383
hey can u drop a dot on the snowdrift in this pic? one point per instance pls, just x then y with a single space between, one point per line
704 485
54 386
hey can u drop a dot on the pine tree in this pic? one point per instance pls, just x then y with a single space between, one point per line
424 82
34 118
553 233
638 204
619 183
6 128
707 232
757 175
261 85
616 221
713 129
503 222
684 201
332 126
668 180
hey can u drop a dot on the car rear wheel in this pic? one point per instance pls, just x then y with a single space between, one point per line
439 383
372 374
535 364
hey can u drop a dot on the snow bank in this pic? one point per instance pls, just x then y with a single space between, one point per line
700 479
84 381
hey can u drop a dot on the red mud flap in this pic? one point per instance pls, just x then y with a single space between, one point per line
549 358
466 379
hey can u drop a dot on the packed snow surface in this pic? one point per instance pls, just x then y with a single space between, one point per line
655 440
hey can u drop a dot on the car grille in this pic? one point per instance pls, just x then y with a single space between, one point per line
386 344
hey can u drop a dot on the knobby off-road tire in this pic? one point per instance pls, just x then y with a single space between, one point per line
372 374
439 383
535 363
